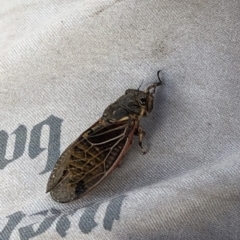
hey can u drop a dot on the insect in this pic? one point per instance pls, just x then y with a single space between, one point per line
98 150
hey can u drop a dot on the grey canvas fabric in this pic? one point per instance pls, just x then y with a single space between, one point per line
63 62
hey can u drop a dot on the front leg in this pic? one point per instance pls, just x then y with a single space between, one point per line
140 134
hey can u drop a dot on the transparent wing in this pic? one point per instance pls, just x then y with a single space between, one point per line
89 159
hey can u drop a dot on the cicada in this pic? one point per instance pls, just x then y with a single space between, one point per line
101 148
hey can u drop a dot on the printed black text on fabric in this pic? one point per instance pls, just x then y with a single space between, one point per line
86 221
34 148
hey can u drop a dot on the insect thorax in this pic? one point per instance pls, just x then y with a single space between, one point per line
127 105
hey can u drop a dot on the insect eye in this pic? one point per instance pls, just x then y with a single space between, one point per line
143 101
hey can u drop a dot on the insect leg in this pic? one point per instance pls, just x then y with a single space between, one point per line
141 134
153 86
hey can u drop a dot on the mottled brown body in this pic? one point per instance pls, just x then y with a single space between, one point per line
90 158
